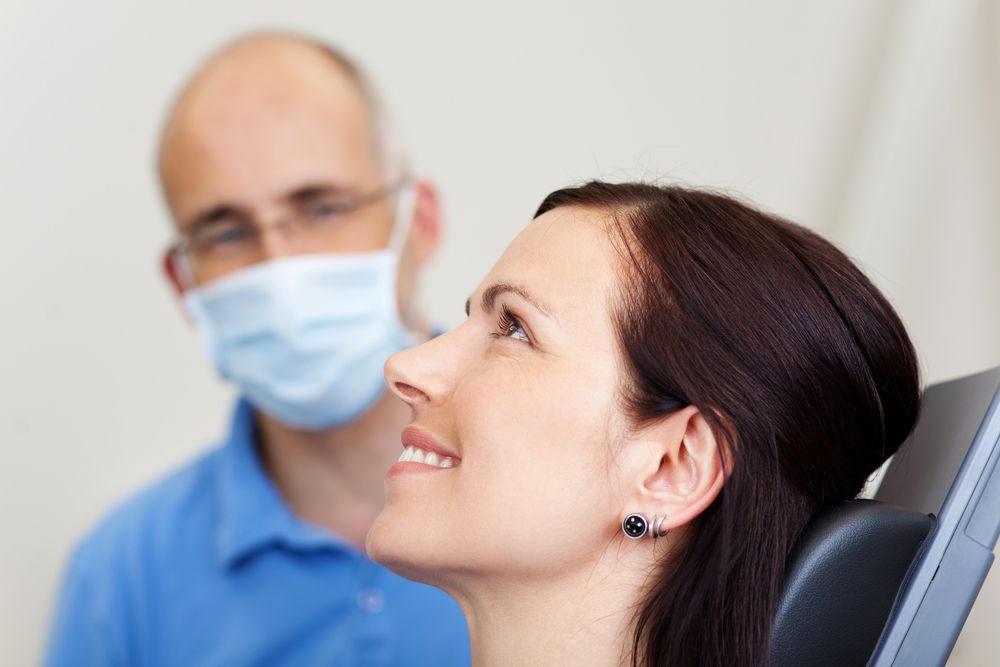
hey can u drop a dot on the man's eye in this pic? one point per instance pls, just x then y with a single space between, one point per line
234 235
222 238
325 209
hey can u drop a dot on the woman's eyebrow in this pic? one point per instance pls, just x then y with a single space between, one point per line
491 293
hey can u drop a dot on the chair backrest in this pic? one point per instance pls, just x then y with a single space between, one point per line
950 466
843 578
889 583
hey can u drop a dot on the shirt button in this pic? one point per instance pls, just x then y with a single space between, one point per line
371 600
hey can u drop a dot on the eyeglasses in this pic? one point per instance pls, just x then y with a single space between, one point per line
228 239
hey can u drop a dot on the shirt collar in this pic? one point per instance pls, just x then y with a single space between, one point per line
253 517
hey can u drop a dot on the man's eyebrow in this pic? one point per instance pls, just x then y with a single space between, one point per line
313 190
491 293
300 195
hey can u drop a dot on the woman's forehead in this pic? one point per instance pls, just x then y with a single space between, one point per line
563 253
569 240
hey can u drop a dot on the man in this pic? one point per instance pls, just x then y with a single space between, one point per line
300 239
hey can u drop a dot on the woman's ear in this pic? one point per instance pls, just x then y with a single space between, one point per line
682 472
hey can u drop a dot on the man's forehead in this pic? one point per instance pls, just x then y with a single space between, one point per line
283 77
256 113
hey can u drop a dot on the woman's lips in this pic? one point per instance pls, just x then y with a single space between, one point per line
413 436
422 453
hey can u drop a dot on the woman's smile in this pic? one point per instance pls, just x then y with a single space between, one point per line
422 453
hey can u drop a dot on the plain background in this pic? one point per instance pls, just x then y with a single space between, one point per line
876 123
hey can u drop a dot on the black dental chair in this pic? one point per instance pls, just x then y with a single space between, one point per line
843 577
889 582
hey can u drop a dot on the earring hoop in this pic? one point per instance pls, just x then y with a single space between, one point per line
657 530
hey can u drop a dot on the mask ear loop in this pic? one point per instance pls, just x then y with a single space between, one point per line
406 206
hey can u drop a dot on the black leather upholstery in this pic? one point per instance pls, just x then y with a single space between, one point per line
843 577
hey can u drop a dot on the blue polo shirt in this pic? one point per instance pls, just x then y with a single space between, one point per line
210 567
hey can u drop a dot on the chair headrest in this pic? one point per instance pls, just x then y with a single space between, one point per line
841 581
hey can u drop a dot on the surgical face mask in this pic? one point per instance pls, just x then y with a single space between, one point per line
305 337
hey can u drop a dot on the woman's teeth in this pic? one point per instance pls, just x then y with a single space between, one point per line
417 455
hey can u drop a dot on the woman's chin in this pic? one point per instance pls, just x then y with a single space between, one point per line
398 550
378 542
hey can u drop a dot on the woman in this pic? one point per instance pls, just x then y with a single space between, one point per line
650 362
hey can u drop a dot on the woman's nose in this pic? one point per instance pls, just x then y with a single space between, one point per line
404 390
419 375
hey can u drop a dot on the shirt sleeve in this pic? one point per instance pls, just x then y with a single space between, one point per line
85 630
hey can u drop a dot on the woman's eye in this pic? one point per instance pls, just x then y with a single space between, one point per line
508 326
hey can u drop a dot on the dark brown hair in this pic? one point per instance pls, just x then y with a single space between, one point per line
799 363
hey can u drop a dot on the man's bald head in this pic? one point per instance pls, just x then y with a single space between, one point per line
275 49
250 95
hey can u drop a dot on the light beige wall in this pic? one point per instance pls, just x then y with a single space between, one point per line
834 114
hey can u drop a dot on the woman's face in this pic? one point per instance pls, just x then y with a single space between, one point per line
522 397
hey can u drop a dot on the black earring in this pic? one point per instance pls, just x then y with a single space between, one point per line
635 526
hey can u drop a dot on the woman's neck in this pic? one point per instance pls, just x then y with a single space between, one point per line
583 618
335 479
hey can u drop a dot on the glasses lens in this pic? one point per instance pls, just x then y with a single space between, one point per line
222 246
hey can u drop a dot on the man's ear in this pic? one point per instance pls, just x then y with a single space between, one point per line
172 270
425 231
681 472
